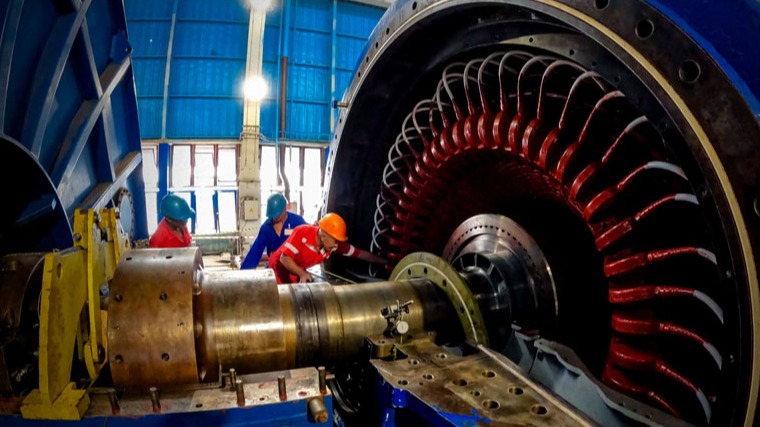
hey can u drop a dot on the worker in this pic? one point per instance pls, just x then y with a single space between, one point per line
172 231
309 245
275 230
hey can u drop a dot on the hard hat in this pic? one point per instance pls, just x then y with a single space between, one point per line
334 225
176 207
276 204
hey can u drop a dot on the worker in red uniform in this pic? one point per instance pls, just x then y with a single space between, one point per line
309 245
172 231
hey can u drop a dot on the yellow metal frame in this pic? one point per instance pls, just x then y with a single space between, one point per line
71 321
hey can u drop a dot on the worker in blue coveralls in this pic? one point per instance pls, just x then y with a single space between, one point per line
275 230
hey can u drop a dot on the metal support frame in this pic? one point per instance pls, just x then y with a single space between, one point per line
71 285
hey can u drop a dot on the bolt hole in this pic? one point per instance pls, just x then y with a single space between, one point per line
58 270
302 393
165 356
163 296
381 341
572 52
262 398
488 374
601 4
403 382
617 79
118 358
530 40
118 297
441 355
129 258
387 31
198 405
644 29
428 376
444 284
516 390
539 409
689 71
413 362
414 6
169 256
366 60
593 63
475 393
424 270
409 272
490 404
461 382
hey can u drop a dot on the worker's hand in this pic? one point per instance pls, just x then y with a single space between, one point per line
306 277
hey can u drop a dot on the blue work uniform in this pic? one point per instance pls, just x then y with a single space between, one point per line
269 239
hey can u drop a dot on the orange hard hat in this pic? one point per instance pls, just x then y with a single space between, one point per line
334 225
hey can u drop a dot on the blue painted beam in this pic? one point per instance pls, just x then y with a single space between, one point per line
84 121
48 77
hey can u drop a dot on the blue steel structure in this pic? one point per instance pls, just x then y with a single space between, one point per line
291 413
68 119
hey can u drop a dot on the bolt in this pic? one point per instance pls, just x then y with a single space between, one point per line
281 387
233 378
317 410
77 237
154 400
240 392
115 408
322 379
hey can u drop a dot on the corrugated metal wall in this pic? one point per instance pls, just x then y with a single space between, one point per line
206 43
323 38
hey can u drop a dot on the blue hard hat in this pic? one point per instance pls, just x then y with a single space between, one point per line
276 204
176 207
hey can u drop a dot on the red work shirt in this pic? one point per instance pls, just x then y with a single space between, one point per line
302 247
165 238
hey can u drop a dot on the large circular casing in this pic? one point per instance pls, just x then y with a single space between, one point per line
691 73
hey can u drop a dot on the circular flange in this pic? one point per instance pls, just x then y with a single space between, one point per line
428 266
497 234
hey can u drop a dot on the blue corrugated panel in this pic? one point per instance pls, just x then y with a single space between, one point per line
149 28
310 61
147 10
354 24
207 70
268 114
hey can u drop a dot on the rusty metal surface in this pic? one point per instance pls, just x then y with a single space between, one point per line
150 323
20 280
16 272
242 323
490 385
259 389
